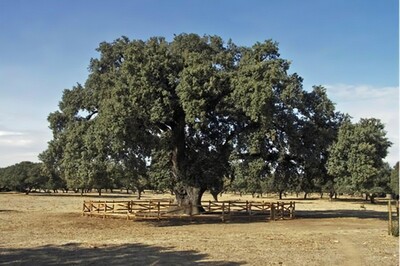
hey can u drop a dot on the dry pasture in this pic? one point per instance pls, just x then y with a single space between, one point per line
48 229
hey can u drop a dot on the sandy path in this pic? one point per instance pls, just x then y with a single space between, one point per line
351 252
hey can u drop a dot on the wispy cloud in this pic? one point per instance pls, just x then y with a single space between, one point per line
13 142
9 133
17 146
346 92
14 139
364 101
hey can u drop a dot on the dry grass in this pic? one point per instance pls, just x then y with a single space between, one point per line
49 230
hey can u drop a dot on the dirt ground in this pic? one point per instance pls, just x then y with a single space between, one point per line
48 229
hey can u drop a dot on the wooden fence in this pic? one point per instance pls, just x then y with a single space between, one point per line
393 221
159 209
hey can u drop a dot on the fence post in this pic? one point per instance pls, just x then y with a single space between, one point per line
250 209
223 212
294 209
127 209
272 216
158 210
390 217
278 210
291 210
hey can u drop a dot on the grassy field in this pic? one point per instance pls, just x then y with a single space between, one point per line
48 229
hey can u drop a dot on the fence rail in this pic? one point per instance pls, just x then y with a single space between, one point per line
159 209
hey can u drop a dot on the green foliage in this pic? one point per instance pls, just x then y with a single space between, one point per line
357 157
394 179
249 176
194 113
23 177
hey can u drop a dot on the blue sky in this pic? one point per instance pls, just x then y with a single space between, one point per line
349 46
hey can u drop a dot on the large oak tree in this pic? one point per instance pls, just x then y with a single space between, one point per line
183 112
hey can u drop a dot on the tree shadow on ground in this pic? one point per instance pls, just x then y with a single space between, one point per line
9 211
127 254
361 214
206 220
377 201
85 195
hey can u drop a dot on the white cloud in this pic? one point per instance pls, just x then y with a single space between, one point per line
12 142
9 133
9 139
18 146
365 101
362 92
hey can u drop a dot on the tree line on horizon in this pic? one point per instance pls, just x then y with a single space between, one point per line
197 114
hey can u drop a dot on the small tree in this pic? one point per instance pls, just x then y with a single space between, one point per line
394 180
356 158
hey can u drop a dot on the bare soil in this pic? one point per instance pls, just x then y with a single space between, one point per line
48 229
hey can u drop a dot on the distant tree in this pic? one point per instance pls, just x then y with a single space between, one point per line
23 177
249 176
4 181
305 127
160 174
356 158
318 130
239 180
51 165
285 177
394 180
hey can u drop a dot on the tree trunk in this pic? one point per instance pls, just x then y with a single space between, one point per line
189 198
99 191
214 194
187 193
280 194
331 193
305 195
372 198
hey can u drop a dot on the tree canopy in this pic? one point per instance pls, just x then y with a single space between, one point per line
188 114
394 179
357 157
23 177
